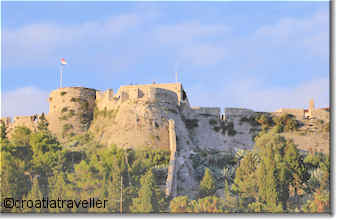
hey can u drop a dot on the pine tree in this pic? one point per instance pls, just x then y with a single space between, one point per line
207 184
245 182
21 136
59 189
34 195
14 183
43 123
3 131
146 202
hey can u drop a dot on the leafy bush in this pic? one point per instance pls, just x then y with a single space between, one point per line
226 127
326 127
71 113
67 127
191 123
251 120
21 136
64 109
63 93
212 122
285 123
73 99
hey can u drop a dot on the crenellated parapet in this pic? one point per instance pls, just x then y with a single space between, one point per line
153 93
234 113
207 111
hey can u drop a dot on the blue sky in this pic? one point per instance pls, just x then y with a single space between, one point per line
257 55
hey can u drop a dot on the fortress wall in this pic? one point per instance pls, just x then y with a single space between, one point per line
60 98
174 87
298 113
321 114
154 93
25 121
165 96
104 95
230 113
171 178
207 111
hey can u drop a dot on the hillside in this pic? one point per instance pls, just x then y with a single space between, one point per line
160 117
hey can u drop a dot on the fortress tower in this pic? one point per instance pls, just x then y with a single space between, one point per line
71 110
311 107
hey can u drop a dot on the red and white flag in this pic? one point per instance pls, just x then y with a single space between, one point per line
63 61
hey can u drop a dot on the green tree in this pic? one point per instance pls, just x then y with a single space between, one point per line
21 136
42 123
146 202
180 204
34 195
245 182
59 189
263 184
14 182
207 184
209 204
3 130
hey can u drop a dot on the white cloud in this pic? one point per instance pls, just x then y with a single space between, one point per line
195 43
271 99
38 42
24 101
202 55
311 33
251 93
188 32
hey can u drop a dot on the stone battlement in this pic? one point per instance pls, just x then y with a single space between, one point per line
170 93
211 111
237 112
174 87
311 112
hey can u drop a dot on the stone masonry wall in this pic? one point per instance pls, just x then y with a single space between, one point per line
170 181
174 87
206 111
298 113
230 113
105 101
321 114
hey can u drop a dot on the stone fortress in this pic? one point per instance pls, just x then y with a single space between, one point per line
152 115
310 113
136 106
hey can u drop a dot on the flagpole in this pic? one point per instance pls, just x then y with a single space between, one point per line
61 71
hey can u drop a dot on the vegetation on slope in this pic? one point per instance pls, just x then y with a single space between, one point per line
273 177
